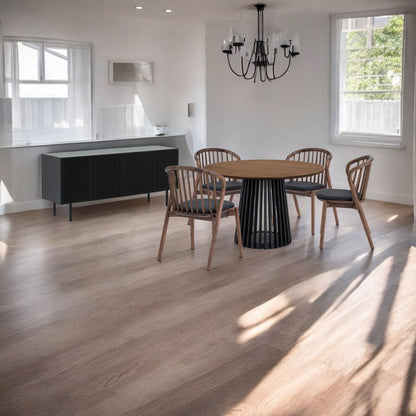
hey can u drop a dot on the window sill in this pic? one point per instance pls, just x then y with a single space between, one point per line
363 142
88 141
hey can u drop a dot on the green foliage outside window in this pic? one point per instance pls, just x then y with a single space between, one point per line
374 61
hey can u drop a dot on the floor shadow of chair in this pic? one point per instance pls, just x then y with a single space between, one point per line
377 338
236 384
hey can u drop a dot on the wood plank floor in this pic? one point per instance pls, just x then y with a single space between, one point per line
92 324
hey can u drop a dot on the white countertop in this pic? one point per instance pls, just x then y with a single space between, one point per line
109 151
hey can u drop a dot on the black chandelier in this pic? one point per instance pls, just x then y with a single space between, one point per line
262 62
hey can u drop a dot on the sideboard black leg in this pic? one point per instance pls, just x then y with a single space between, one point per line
70 211
166 197
54 209
148 197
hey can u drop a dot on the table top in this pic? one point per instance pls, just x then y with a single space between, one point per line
265 169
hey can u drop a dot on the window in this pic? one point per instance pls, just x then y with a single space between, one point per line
367 79
49 83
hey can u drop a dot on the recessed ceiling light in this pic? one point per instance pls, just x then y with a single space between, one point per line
139 7
168 10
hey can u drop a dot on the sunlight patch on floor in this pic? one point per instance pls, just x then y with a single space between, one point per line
264 317
265 311
365 286
361 256
393 217
3 251
264 326
334 347
411 256
318 288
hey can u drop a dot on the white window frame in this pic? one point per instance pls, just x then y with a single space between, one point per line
44 43
41 65
407 99
58 43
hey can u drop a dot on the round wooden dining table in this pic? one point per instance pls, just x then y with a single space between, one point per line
263 204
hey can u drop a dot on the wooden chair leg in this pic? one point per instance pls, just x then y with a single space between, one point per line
323 219
192 227
238 226
313 213
163 237
231 197
295 200
215 226
335 215
365 225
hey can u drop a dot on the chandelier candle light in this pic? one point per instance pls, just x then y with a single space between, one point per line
262 62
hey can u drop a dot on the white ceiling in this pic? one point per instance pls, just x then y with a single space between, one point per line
212 10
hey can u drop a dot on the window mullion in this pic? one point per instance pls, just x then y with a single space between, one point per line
15 71
42 63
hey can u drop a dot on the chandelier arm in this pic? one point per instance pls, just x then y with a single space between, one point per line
253 75
285 71
232 69
263 75
253 53
288 54
245 72
272 64
273 61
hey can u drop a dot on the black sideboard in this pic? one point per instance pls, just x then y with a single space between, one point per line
88 175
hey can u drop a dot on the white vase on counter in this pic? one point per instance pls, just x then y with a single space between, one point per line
159 130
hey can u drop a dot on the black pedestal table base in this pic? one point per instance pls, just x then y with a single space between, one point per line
263 214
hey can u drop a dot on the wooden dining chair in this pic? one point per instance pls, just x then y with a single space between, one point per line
209 155
358 173
188 199
309 186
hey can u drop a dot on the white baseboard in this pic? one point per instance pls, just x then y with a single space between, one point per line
14 207
395 198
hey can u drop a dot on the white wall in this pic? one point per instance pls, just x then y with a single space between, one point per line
187 81
270 120
414 154
179 74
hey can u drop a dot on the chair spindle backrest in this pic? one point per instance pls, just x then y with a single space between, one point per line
207 156
186 192
318 156
358 173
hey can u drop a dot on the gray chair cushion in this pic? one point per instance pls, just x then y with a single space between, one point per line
335 195
229 186
303 186
198 206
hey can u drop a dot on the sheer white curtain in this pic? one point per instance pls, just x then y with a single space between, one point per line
50 107
5 104
2 86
